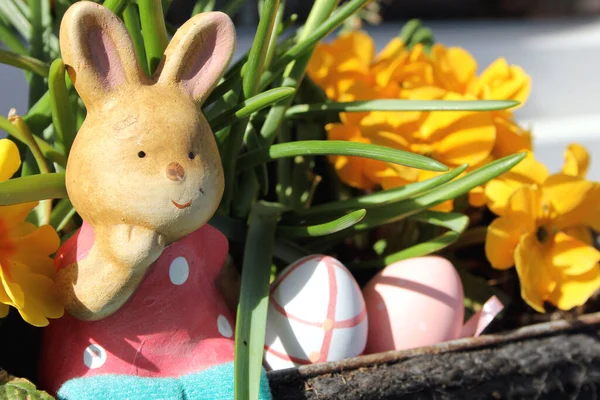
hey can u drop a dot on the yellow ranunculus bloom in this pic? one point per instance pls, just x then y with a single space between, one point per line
545 232
26 269
348 70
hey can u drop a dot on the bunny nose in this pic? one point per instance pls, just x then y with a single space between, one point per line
175 171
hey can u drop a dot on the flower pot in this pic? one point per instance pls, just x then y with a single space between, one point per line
558 359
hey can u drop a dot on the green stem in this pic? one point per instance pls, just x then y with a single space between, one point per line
154 31
254 300
471 237
256 59
295 71
63 116
116 6
17 121
132 22
24 62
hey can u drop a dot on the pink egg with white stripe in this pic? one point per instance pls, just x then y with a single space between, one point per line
316 314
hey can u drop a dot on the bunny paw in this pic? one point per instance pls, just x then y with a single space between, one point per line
135 245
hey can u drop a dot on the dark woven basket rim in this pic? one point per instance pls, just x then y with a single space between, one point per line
465 344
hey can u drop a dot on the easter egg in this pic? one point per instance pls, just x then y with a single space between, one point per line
316 314
413 303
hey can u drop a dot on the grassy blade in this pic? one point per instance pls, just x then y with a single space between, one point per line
38 48
393 212
256 57
310 110
295 71
47 150
153 31
247 107
24 62
9 9
203 6
116 6
254 300
63 116
338 147
131 18
32 188
236 230
455 222
62 214
383 197
314 34
39 115
10 40
233 7
337 225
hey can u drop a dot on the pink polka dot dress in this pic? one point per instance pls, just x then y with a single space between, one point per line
176 323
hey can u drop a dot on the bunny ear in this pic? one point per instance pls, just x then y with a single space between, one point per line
97 51
199 54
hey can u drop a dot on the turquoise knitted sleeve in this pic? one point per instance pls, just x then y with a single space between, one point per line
215 383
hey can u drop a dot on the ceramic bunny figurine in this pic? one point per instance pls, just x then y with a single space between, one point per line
138 279
144 170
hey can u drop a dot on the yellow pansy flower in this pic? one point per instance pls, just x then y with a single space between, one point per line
545 232
26 269
532 172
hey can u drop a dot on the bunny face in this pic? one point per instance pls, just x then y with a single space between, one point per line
161 169
145 155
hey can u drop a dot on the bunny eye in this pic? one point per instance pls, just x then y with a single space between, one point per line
141 154
191 155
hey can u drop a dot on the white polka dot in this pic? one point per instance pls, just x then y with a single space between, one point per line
179 271
224 326
94 356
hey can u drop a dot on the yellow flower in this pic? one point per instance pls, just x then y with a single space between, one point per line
348 70
532 172
545 232
26 269
501 81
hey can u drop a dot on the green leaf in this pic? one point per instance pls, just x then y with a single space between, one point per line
409 29
62 214
39 115
310 110
338 147
293 69
33 188
154 31
256 57
12 388
116 6
11 40
233 7
314 34
236 229
455 222
47 150
337 225
12 13
397 211
248 107
39 43
203 6
24 62
131 18
379 198
63 116
254 300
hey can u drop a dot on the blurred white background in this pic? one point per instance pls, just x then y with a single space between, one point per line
562 57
